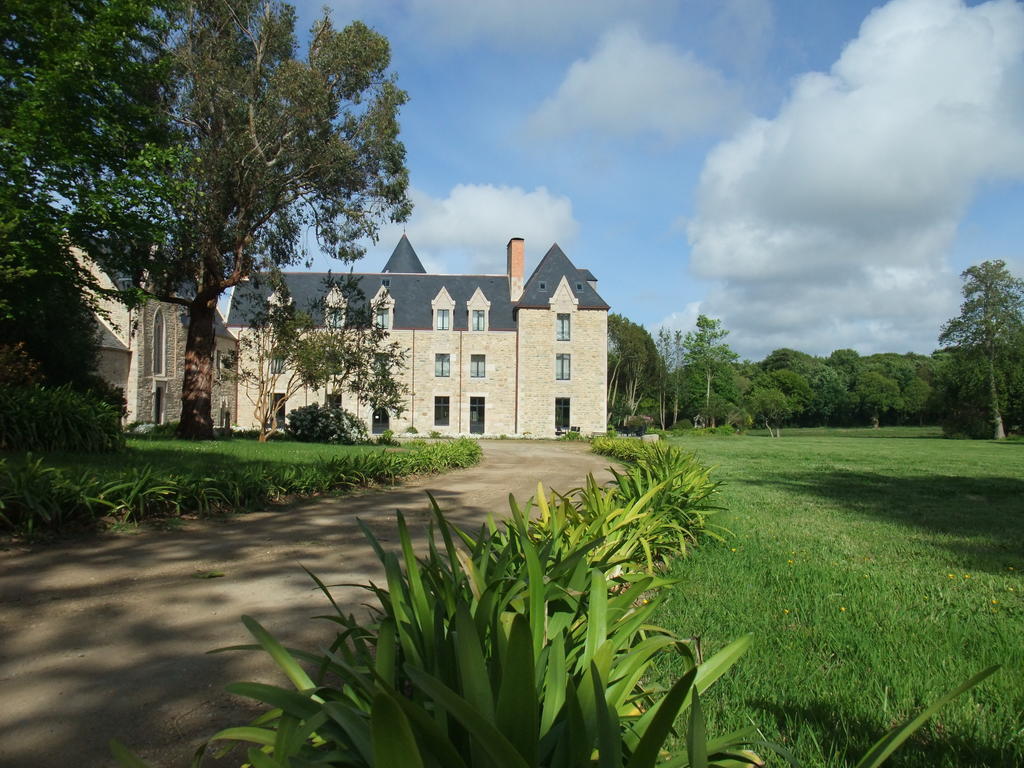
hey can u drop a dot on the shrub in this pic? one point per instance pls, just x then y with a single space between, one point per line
326 424
498 650
37 418
34 497
572 435
411 431
387 437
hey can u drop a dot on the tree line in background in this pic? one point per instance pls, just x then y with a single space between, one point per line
973 386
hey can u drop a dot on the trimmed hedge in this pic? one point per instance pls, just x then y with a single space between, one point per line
37 418
35 497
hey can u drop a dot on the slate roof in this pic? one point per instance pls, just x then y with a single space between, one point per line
404 259
414 290
545 279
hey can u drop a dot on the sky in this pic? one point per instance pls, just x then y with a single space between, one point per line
815 174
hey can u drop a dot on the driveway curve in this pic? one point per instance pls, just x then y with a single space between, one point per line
106 637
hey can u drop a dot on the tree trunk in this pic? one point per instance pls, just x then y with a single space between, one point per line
874 421
196 409
999 433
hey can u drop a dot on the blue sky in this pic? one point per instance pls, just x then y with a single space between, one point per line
816 174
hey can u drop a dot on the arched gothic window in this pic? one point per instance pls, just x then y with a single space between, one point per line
159 344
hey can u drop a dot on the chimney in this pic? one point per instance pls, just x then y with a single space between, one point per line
516 262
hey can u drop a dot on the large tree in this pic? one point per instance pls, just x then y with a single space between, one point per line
634 367
278 146
81 133
707 357
989 324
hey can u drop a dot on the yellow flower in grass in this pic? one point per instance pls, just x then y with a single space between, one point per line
785 610
842 609
967 575
995 602
790 562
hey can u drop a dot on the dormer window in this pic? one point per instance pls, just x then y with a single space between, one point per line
479 320
443 319
382 318
385 282
335 317
579 286
543 286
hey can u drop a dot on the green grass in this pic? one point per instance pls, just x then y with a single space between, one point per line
904 432
875 575
195 457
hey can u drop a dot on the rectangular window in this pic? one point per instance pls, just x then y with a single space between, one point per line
478 320
562 327
561 414
382 318
442 365
442 319
476 415
477 366
333 401
277 365
280 406
563 370
442 409
335 318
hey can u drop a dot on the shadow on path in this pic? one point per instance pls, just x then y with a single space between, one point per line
107 636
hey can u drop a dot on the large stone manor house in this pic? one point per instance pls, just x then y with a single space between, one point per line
487 354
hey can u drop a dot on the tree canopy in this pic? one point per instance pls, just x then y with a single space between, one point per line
277 146
988 330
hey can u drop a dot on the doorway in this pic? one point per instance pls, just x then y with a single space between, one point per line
476 415
381 421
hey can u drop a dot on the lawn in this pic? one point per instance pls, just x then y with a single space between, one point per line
875 574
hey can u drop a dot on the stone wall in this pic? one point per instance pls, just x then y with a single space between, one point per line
586 387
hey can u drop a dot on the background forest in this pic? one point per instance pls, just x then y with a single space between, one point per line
973 386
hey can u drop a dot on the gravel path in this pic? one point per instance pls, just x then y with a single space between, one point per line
106 637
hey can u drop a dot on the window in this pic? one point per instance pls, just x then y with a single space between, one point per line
478 320
279 406
442 319
382 318
562 327
442 365
385 282
476 415
333 401
477 366
561 414
562 367
159 345
579 286
216 361
335 317
543 286
442 410
277 365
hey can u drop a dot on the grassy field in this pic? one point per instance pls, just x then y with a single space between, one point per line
875 575
198 457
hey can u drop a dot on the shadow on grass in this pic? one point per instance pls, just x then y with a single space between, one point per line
983 518
846 739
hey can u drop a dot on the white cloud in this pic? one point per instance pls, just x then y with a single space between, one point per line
468 229
830 225
513 23
631 85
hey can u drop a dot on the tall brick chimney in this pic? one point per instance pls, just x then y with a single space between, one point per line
516 264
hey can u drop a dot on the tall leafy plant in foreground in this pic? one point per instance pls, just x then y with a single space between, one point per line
527 645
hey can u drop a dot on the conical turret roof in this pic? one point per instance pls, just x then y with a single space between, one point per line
404 259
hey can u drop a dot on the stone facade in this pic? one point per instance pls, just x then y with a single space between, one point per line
499 344
142 352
